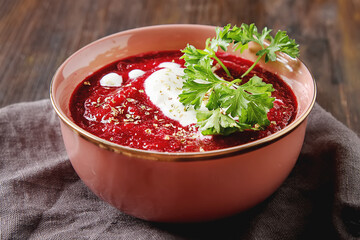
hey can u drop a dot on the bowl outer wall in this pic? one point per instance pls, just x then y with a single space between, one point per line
183 191
171 191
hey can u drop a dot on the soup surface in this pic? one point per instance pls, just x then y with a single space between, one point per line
133 102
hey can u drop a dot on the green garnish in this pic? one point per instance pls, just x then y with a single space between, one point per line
231 106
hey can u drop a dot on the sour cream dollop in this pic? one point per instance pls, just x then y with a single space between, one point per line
136 73
163 88
111 80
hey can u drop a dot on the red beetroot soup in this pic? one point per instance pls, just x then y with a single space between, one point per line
125 114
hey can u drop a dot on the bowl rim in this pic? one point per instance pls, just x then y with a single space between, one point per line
174 156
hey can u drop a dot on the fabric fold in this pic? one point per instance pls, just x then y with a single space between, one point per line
41 197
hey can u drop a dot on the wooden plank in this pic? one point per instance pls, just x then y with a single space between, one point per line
36 36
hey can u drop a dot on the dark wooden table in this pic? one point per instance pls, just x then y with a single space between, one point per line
36 36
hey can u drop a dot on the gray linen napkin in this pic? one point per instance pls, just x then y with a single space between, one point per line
41 197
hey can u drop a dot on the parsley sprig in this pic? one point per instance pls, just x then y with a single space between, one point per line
231 106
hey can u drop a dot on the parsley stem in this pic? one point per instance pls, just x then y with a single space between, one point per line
238 80
222 65
252 66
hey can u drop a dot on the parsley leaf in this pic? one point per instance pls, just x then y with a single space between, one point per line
250 102
281 43
199 76
214 122
231 106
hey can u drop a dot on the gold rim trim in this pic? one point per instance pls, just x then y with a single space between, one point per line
180 156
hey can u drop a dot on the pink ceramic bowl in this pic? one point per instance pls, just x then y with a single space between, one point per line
178 187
